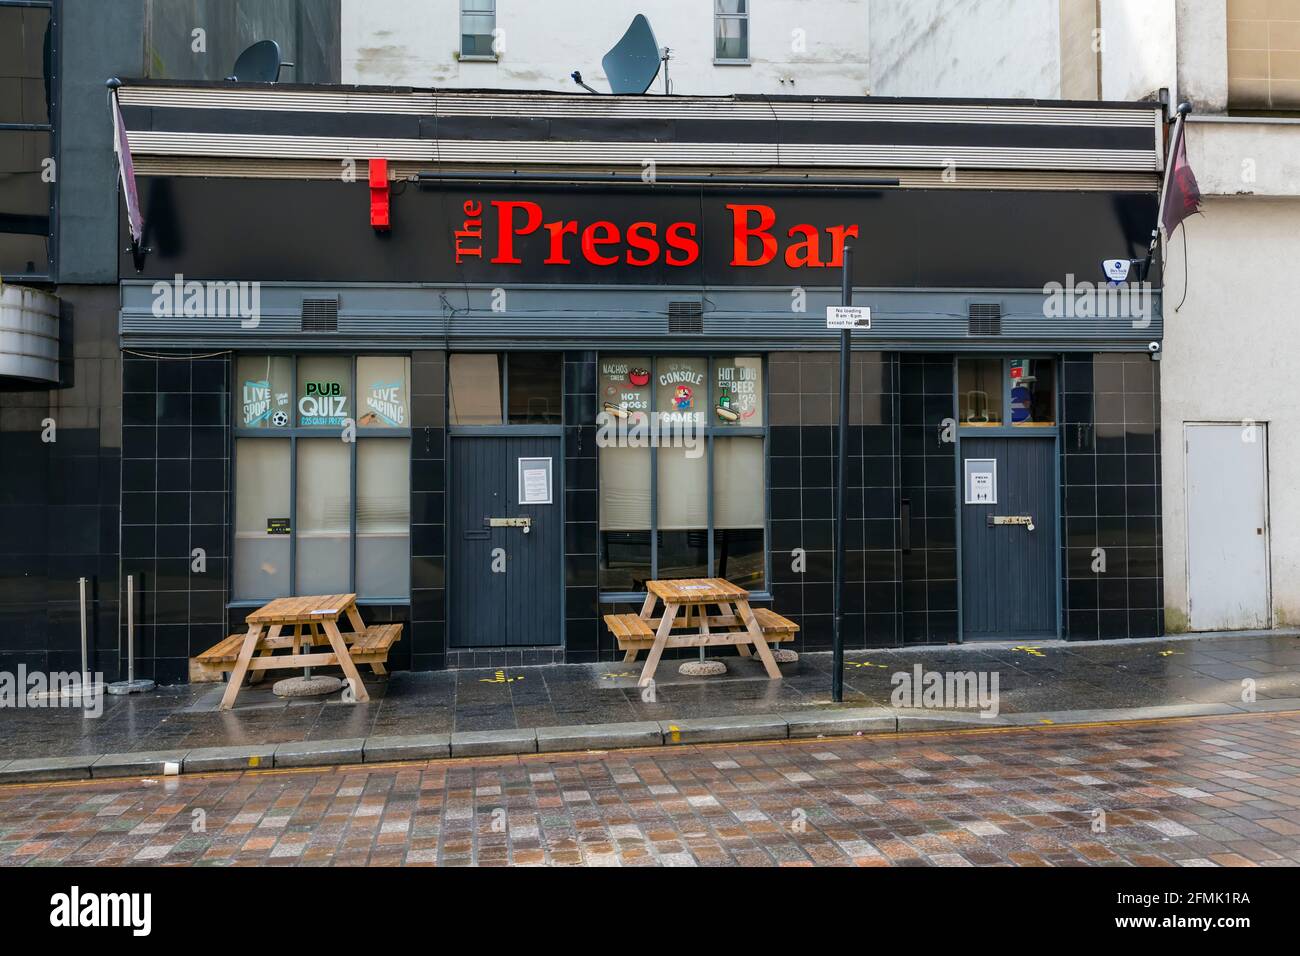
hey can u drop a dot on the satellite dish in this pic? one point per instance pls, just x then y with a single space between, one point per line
260 63
634 62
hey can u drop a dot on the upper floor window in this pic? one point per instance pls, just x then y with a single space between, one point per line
1264 55
478 21
731 31
28 84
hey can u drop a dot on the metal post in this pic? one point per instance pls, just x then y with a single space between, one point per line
841 490
130 629
85 657
130 685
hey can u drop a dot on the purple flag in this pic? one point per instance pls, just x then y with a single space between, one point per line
1182 196
123 149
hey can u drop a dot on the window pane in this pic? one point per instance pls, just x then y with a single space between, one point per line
475 45
383 518
624 385
475 389
624 518
324 387
261 569
730 6
739 510
24 204
979 391
535 383
738 391
683 513
1033 392
324 516
732 39
265 383
24 65
681 390
381 384
683 554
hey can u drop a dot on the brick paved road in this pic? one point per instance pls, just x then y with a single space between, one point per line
1218 791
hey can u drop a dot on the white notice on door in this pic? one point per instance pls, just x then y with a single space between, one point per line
534 481
981 481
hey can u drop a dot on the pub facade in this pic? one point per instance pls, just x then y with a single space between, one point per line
493 360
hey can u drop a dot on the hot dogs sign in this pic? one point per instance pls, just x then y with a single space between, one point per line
736 394
681 391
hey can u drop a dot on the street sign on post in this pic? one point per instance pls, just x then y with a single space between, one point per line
848 317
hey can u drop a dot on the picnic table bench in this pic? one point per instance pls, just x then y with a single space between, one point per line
735 623
314 620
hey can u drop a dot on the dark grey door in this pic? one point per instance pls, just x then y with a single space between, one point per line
505 585
1008 548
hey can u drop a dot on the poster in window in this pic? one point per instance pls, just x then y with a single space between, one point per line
323 386
738 391
625 388
682 390
381 382
265 386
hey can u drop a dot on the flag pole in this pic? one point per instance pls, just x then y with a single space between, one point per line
1183 110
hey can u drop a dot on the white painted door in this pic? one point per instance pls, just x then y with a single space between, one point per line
1227 526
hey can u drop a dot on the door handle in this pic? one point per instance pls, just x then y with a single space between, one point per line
1026 520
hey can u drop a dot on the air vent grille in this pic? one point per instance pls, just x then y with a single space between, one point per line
685 318
320 315
984 318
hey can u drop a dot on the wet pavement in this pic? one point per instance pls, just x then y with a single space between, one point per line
1035 676
1221 791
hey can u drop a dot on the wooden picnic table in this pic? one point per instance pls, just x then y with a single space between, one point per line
312 612
733 624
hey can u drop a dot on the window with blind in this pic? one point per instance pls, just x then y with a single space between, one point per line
322 476
731 31
677 509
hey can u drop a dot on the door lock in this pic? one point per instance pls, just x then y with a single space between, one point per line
526 522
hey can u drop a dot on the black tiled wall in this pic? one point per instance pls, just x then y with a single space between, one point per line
175 498
428 631
928 482
803 403
585 636
59 500
1110 496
